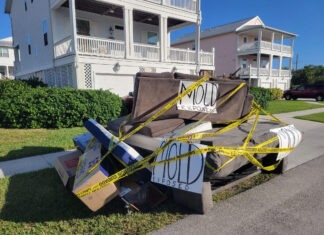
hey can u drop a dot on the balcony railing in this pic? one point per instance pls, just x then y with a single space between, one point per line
63 47
190 5
100 47
146 52
264 45
91 46
253 72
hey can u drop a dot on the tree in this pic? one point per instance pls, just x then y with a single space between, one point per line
310 74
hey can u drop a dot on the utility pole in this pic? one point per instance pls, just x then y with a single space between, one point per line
296 64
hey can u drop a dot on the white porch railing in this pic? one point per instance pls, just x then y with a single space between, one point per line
181 55
189 56
91 46
207 58
100 47
253 72
264 45
63 47
182 4
146 51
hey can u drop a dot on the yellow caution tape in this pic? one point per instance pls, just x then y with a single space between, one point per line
231 152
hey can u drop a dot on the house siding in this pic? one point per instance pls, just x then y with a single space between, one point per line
31 26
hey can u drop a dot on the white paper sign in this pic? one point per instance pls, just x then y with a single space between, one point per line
184 174
288 137
201 99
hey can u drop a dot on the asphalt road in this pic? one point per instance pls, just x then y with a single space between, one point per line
292 203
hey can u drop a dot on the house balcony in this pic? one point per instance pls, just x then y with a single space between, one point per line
253 72
109 48
258 46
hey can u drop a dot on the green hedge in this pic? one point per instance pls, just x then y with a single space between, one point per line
261 95
22 106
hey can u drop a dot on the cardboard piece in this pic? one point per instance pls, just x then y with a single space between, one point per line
99 198
66 167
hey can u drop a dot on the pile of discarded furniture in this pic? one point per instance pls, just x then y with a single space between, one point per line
183 132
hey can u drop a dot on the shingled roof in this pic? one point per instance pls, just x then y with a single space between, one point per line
218 30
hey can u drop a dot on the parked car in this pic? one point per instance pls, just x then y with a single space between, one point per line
307 91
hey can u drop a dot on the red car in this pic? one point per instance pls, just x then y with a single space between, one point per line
307 91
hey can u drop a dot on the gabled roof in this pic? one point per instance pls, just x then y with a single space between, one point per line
218 30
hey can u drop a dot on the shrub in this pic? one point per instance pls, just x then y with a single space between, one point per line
34 82
261 95
276 93
22 106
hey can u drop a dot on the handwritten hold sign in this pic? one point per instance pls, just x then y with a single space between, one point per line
288 137
201 99
184 174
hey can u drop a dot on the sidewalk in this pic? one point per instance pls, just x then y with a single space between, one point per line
313 135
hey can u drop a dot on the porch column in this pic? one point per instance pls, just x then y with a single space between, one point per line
7 72
258 64
163 37
280 65
73 26
198 37
259 38
128 32
270 65
282 41
272 40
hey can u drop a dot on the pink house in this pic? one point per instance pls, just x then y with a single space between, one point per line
260 54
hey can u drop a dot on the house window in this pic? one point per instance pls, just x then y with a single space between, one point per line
152 38
4 52
244 63
245 40
28 44
45 33
264 63
83 27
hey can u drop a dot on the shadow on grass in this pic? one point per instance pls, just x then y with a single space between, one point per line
40 197
28 151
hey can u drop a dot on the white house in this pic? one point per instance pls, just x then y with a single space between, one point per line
261 54
6 58
91 44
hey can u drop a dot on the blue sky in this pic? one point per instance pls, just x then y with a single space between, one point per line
304 18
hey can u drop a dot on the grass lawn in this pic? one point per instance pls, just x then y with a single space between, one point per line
285 106
37 203
18 143
317 117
